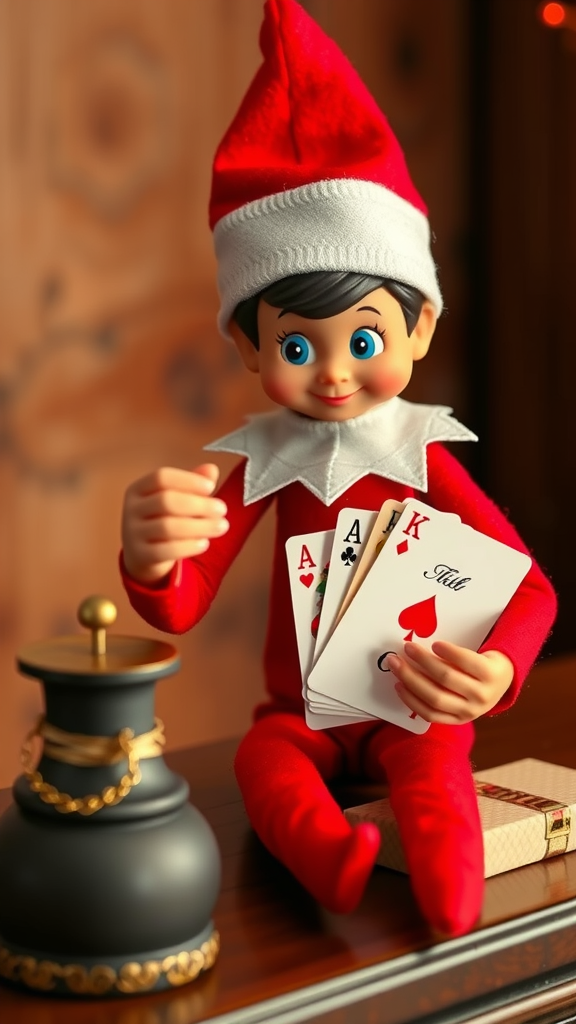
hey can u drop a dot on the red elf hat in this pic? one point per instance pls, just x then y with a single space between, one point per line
310 176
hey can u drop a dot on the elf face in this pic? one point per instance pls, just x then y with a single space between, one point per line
339 367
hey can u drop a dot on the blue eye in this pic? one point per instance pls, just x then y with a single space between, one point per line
297 350
366 343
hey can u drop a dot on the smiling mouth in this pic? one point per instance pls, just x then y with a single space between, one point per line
335 399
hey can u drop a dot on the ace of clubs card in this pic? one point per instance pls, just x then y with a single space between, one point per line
383 525
353 527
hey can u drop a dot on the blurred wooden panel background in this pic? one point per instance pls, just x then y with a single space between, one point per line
110 363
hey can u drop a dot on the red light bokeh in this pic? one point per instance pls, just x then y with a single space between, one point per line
553 14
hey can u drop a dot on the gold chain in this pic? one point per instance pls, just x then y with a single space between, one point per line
66 804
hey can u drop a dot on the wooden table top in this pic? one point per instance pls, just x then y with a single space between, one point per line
285 959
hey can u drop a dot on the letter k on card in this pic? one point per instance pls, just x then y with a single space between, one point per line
411 530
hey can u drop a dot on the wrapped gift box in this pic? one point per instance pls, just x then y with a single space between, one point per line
526 808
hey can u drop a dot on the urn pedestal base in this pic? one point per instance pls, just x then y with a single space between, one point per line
151 971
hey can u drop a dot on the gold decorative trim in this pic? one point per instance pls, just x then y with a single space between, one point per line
133 977
557 816
89 751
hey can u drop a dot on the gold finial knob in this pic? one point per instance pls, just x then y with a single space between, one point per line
96 613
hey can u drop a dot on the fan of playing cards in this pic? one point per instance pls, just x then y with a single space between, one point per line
380 578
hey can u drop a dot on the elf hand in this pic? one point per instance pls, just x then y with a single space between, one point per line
169 515
450 684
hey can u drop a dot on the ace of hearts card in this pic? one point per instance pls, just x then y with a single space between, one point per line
308 557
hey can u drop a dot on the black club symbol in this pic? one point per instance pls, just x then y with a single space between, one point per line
348 556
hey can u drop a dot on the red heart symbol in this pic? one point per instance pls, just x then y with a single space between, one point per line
307 579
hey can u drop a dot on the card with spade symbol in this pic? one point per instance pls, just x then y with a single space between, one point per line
435 579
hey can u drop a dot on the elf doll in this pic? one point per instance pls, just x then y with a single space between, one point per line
329 291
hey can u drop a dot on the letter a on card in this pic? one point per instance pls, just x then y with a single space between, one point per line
306 560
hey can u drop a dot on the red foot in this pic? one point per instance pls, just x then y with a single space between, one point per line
351 874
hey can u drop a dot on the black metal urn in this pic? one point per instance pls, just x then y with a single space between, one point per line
108 875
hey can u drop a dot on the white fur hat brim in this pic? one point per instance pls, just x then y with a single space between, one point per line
341 224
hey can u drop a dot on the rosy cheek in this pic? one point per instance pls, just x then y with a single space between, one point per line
388 383
279 387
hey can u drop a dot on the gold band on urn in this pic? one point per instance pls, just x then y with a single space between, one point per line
90 751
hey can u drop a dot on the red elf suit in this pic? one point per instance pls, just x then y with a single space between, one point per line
310 177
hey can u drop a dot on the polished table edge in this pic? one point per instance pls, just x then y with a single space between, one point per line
522 999
416 969
538 1002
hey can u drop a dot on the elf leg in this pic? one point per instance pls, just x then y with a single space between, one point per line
434 801
281 766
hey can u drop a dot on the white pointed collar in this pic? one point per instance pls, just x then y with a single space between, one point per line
327 457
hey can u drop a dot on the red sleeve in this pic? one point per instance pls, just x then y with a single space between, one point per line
179 601
526 621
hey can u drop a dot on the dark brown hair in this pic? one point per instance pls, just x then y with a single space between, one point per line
325 293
